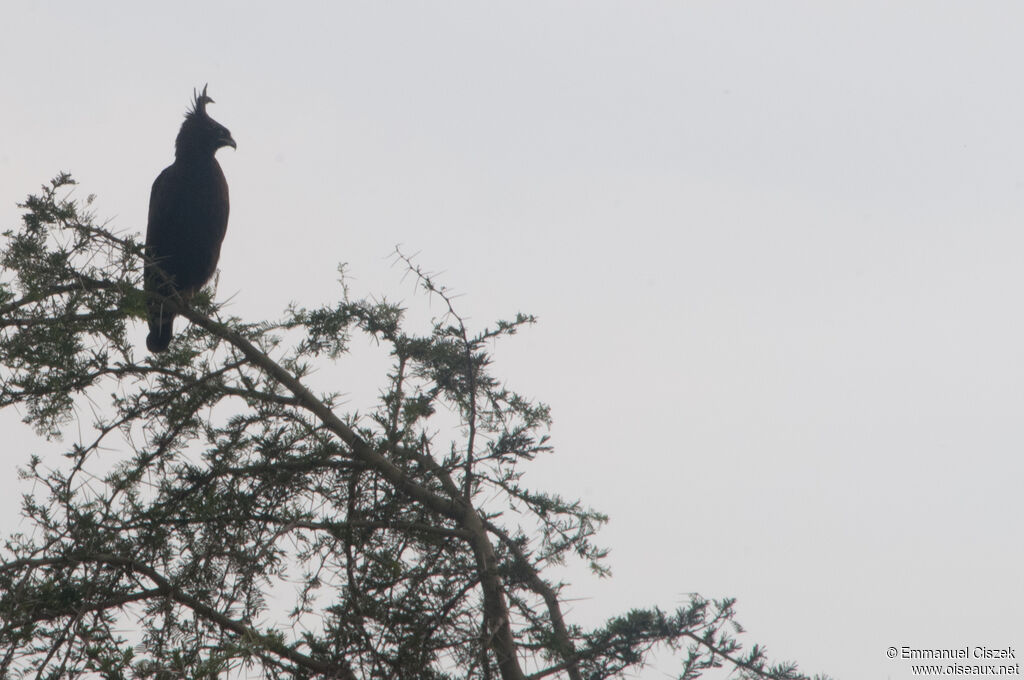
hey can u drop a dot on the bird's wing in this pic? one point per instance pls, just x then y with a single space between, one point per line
161 209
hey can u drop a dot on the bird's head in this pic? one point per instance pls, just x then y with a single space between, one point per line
200 134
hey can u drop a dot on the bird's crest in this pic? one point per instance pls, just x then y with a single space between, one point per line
199 102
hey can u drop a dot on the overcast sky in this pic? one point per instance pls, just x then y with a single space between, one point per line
775 249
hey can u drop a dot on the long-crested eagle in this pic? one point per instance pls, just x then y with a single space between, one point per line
188 216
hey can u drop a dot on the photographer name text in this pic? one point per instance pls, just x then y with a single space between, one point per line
965 652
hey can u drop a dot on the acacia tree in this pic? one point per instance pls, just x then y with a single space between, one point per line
219 519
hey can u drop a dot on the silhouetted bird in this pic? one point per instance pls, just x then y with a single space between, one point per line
188 215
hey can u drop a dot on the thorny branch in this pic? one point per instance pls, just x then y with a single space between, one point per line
241 473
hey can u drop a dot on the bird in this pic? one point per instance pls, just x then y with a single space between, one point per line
188 217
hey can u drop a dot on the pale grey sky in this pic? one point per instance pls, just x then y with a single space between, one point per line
775 249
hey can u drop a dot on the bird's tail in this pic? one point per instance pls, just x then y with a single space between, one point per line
161 327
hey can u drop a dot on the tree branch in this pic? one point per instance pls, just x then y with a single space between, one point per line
164 588
456 508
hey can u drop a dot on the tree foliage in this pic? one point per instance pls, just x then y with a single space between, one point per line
219 519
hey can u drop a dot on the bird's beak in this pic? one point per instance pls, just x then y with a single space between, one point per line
228 140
